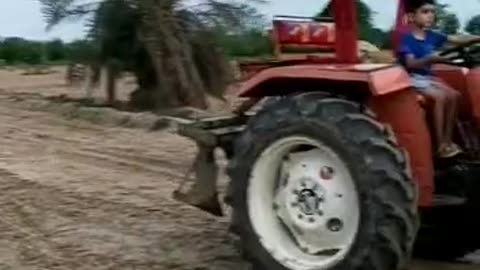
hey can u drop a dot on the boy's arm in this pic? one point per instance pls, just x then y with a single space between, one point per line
411 61
415 63
464 40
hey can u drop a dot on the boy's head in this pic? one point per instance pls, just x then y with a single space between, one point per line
421 12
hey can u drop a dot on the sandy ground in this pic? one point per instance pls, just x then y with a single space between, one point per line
54 84
81 196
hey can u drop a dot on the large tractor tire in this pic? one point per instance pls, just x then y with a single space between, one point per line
318 184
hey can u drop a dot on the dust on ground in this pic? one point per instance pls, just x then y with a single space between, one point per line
77 195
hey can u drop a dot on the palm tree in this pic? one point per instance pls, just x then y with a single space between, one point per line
170 47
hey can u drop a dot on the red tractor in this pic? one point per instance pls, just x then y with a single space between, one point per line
335 169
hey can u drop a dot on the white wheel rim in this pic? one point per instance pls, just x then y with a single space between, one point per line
311 220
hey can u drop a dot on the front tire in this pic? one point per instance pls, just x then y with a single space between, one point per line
366 190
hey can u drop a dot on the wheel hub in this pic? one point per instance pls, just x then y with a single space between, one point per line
307 197
308 201
304 204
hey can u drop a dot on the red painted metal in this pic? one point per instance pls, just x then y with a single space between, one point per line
412 134
346 28
473 86
292 32
401 25
390 86
380 79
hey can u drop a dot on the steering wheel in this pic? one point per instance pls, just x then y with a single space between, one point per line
466 55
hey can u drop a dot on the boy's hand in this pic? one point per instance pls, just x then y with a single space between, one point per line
436 58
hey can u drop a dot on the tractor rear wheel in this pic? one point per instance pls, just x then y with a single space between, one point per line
318 184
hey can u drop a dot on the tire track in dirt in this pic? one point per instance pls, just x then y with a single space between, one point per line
106 158
45 244
76 197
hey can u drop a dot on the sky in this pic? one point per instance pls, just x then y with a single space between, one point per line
23 18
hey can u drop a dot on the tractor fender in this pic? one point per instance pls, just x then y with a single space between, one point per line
378 79
473 92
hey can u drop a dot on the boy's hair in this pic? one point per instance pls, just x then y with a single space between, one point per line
414 5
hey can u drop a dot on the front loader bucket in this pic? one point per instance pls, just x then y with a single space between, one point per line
203 193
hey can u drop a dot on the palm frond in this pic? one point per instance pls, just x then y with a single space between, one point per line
56 11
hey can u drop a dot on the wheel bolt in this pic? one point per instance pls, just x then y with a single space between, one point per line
311 220
327 173
285 179
300 216
335 225
275 207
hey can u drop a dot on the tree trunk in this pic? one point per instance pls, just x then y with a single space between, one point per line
176 73
110 75
88 83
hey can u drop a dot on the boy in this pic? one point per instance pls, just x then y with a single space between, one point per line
417 54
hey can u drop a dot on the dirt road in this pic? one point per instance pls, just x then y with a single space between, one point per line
77 196
80 196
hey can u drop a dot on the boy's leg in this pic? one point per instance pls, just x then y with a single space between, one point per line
439 99
451 108
424 85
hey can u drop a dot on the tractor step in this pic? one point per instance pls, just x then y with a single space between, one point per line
448 200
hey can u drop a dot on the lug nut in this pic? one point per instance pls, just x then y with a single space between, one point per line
285 179
275 206
335 225
311 220
327 173
320 212
300 216
294 204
